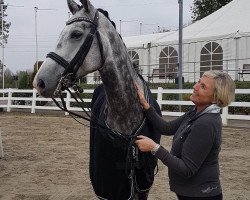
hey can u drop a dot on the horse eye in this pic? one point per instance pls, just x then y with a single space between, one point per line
76 35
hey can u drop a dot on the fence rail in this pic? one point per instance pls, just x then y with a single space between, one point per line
15 98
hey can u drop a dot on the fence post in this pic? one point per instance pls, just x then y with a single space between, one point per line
159 96
33 104
1 146
67 101
9 100
224 115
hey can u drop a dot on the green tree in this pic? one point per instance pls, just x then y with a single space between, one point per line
9 81
24 80
203 8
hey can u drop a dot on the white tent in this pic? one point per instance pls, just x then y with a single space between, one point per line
218 41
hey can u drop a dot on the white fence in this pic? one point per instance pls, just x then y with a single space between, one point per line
8 101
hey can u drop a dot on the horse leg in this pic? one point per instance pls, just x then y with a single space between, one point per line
141 196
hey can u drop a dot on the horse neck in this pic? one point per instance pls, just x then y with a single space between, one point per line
124 112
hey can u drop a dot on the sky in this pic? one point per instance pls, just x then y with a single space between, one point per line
20 52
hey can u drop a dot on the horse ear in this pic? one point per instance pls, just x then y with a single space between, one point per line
73 6
86 4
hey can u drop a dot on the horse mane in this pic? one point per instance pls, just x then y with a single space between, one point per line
106 14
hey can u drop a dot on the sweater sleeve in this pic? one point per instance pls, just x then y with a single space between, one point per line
164 127
195 150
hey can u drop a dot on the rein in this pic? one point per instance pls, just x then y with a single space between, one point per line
77 97
132 157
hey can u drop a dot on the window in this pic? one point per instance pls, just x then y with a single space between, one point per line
211 57
135 59
168 62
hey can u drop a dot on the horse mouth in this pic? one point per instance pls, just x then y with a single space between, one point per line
45 93
42 90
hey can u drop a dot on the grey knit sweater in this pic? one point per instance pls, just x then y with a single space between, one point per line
193 160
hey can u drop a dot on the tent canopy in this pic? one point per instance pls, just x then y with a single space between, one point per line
231 19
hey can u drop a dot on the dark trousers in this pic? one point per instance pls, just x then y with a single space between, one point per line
217 197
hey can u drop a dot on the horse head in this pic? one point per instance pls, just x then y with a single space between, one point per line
79 50
90 42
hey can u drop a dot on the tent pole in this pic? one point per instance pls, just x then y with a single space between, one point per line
180 43
180 46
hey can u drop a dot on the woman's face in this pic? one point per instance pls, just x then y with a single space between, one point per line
203 93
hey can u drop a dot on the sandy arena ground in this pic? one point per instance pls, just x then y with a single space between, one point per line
46 158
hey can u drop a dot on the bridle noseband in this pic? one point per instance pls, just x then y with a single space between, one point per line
69 75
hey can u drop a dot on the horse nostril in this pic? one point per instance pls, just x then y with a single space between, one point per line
41 84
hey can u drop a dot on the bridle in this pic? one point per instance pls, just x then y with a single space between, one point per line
68 77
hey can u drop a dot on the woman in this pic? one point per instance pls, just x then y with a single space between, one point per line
193 160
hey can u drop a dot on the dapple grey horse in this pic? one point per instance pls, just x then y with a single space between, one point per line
90 42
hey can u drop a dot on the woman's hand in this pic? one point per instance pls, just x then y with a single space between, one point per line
141 97
144 143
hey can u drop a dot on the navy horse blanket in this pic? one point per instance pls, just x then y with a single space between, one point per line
108 156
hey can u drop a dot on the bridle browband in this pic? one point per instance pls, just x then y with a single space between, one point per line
71 68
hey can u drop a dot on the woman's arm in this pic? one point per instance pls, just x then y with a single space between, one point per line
195 150
164 127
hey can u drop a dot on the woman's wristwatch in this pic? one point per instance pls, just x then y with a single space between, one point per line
155 149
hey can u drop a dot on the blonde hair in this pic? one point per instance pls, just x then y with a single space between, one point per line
224 91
